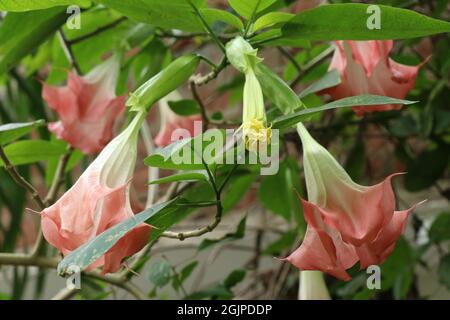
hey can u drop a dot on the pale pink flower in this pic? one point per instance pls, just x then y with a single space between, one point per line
87 107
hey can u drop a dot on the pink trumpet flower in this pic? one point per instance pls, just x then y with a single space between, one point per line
170 121
87 107
365 68
99 200
347 222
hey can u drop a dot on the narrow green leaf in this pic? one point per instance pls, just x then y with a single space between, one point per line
183 176
287 121
12 131
211 15
185 107
349 22
31 151
329 80
91 251
276 90
271 19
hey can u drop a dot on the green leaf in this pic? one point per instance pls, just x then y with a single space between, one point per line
22 32
91 251
12 131
436 161
186 154
349 22
183 176
440 229
363 100
211 15
286 182
238 234
177 282
249 7
276 90
27 5
271 19
444 271
282 243
331 79
185 107
166 81
31 151
160 273
220 290
234 278
173 14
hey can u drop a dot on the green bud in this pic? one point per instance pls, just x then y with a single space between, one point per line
166 81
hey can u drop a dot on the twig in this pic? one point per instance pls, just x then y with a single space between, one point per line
205 119
97 31
202 80
218 217
68 52
207 27
21 180
58 179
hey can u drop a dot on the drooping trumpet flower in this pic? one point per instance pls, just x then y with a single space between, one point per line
87 107
99 200
347 222
171 121
365 68
255 132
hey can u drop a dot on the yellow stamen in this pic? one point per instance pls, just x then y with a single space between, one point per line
255 132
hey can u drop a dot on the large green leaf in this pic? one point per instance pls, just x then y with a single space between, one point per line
27 5
173 14
247 8
12 131
349 22
363 100
31 151
91 251
22 32
276 90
